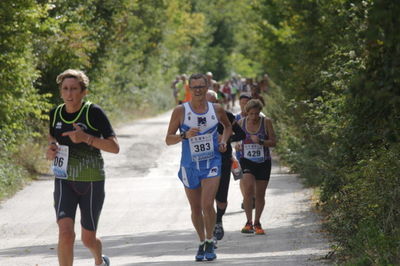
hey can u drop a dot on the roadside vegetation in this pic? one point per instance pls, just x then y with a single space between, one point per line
334 96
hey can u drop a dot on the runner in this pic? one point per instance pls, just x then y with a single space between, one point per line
220 96
200 168
226 89
264 84
78 131
188 95
183 90
235 90
256 163
175 89
244 98
210 80
222 193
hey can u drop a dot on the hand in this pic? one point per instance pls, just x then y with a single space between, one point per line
77 135
52 150
238 146
222 147
192 132
255 138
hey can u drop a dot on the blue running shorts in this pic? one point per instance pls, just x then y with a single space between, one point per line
191 177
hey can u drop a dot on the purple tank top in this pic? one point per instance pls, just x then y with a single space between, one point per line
254 151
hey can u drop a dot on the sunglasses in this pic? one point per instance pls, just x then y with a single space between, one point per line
198 87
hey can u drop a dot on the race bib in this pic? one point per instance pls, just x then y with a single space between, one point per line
201 147
253 152
60 162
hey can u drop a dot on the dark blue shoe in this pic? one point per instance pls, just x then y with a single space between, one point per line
209 251
106 260
200 253
218 231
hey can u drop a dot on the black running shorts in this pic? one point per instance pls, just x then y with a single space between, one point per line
261 171
88 195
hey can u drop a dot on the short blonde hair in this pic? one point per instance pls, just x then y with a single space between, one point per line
73 73
253 103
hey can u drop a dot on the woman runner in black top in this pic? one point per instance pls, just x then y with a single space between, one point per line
78 131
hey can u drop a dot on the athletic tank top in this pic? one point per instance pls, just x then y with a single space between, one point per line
85 162
199 150
254 151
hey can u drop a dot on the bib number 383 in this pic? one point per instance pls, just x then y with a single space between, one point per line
60 162
201 147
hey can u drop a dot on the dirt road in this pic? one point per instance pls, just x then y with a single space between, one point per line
146 217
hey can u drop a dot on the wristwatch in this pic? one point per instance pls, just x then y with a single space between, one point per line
261 142
183 135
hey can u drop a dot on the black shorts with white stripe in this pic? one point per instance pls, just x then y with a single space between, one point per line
88 195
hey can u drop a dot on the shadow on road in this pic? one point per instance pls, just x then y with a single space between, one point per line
178 248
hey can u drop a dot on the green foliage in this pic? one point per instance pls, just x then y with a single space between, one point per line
131 50
364 213
20 104
335 104
337 112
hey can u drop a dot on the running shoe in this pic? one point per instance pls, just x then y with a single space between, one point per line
106 260
248 228
258 229
200 252
215 242
209 251
218 231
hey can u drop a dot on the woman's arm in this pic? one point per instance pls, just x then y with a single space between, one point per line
271 141
109 144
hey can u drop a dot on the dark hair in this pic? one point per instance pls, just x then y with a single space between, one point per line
198 76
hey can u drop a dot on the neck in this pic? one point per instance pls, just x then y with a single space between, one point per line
254 121
198 104
73 108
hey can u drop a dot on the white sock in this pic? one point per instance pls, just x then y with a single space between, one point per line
102 264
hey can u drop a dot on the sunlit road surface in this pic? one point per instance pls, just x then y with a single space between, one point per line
146 217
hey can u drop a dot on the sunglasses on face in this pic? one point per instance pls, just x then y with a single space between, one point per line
198 87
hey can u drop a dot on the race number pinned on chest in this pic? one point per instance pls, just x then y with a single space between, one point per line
254 152
60 162
201 147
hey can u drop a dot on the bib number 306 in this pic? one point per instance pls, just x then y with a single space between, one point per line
60 162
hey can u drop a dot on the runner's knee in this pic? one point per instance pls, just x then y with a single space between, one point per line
66 236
